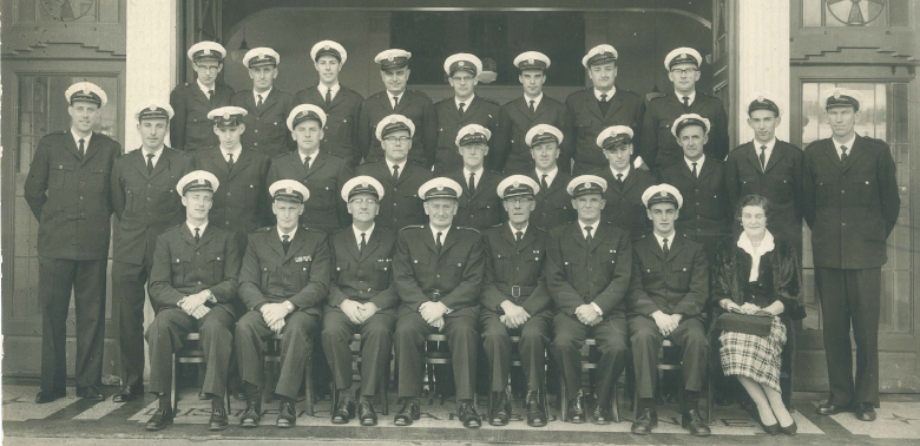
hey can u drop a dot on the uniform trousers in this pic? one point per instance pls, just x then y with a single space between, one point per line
128 282
645 339
86 279
164 337
296 347
535 337
851 296
569 338
462 339
376 344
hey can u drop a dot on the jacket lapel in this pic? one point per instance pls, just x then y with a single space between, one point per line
592 104
199 95
775 156
529 237
577 235
187 234
450 240
352 243
269 102
240 163
653 245
317 164
615 103
162 163
296 244
428 239
206 236
685 171
751 155
217 158
339 97
630 180
677 244
541 107
372 243
402 101
275 242
600 230
830 150
522 106
139 162
91 148
708 168
856 152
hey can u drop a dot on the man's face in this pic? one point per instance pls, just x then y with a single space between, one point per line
603 75
287 213
589 206
197 204
663 216
395 80
532 80
363 208
463 83
153 132
441 211
684 76
618 156
263 76
207 70
83 115
229 135
764 123
328 68
842 120
519 208
692 138
396 145
474 155
308 134
545 155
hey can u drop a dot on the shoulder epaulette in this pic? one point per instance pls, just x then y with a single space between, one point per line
469 229
540 229
411 227
265 229
418 92
498 225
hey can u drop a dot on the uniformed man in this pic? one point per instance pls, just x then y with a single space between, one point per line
68 192
361 300
146 203
438 270
515 302
462 109
553 205
396 99
400 205
518 116
668 291
284 283
242 204
341 104
770 168
701 180
658 147
190 128
480 206
268 106
626 183
590 111
851 204
324 174
587 275
193 284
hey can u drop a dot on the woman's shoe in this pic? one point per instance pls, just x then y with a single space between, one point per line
772 429
789 430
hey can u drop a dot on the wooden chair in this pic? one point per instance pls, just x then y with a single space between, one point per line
662 366
586 364
516 362
273 355
190 353
383 380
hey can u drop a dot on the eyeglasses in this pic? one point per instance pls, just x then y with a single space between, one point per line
519 200
362 201
395 139
684 72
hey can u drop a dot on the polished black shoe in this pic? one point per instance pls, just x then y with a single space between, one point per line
576 408
469 417
366 414
693 422
865 412
287 414
646 422
500 413
833 409
49 396
90 393
410 412
344 411
601 413
253 413
128 393
160 419
536 409
218 421
789 430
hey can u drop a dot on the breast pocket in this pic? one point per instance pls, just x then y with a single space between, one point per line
865 190
216 263
651 277
749 185
683 275
58 175
824 189
421 270
181 266
609 254
382 270
275 131
781 188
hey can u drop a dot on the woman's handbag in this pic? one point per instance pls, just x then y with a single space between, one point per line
745 323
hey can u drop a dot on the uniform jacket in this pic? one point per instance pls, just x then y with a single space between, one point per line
340 137
453 277
577 274
554 204
850 206
146 204
624 208
300 276
478 111
674 284
584 114
414 105
366 275
400 205
325 209
190 129
705 211
483 208
182 267
515 271
241 203
512 154
659 148
266 126
70 196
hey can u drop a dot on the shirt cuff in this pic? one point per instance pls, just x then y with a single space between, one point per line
211 297
597 308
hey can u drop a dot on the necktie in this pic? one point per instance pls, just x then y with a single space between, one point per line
588 237
285 242
518 235
604 97
362 244
472 183
230 162
694 170
543 182
533 109
328 96
81 149
306 162
620 178
686 103
461 107
149 162
259 103
210 95
395 101
437 243
843 153
197 235
664 247
395 172
763 157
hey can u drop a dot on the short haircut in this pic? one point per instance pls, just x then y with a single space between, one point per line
754 200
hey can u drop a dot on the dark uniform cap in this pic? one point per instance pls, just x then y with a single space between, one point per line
662 193
306 112
531 60
599 55
153 110
363 184
586 184
472 134
542 133
614 136
842 98
463 62
683 55
197 180
517 186
329 48
687 120
206 50
393 59
762 103
289 190
229 116
393 124
257 57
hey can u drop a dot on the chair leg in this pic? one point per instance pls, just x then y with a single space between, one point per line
616 404
173 392
563 399
709 397
308 383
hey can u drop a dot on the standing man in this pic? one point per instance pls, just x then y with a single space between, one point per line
480 205
587 275
515 302
438 271
395 99
605 105
68 191
193 285
283 283
322 173
190 128
553 205
361 300
341 104
626 183
268 107
146 203
770 168
463 109
400 205
658 147
668 292
851 205
517 117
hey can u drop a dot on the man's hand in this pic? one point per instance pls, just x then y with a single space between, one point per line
439 324
666 323
272 313
367 310
200 312
197 299
351 309
277 326
432 311
587 314
515 315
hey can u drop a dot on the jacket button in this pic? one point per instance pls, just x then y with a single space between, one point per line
438 276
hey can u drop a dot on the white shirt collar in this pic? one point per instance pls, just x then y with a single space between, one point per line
625 173
76 139
466 103
770 144
766 245
598 93
264 94
514 231
594 227
670 238
200 227
848 144
281 234
536 101
550 175
434 233
204 88
312 156
156 154
391 96
334 88
402 165
235 151
367 233
699 164
467 172
680 97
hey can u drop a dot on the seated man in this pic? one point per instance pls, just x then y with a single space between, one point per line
515 301
437 270
361 300
587 275
283 283
667 293
193 284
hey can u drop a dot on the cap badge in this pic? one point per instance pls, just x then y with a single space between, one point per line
363 184
226 115
462 63
391 58
394 120
86 91
152 108
530 61
836 95
540 132
288 190
760 99
206 52
440 187
326 47
589 184
684 55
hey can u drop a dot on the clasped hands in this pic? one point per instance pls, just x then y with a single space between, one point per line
433 313
587 314
274 315
358 312
749 308
667 323
194 304
515 315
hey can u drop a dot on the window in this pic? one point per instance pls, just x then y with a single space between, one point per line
71 11
876 13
